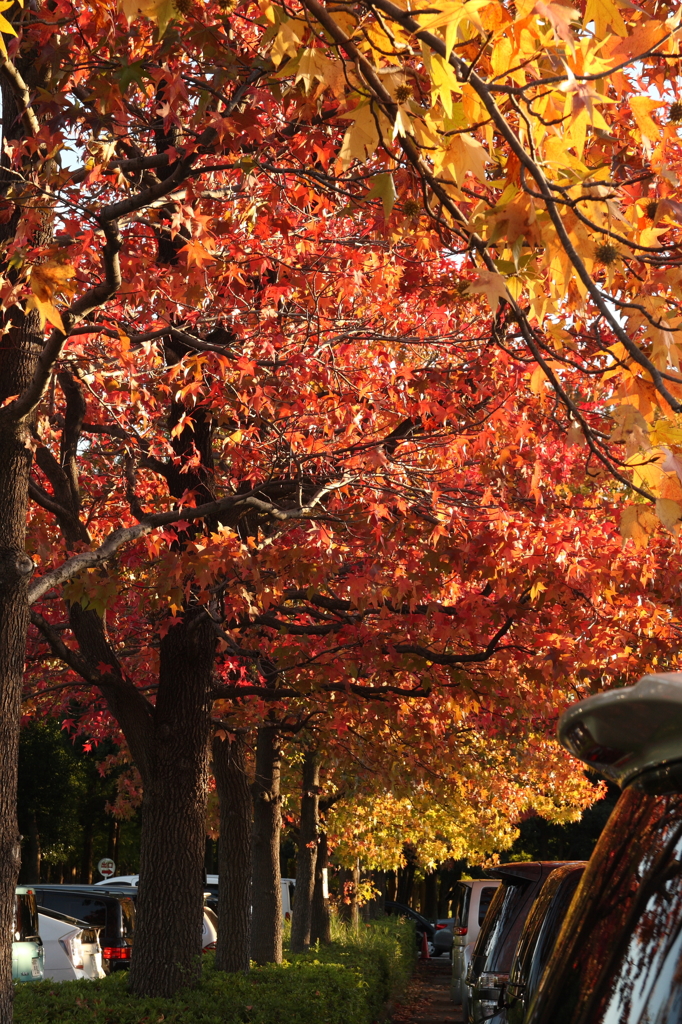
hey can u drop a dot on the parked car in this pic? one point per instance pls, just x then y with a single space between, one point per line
72 948
442 937
27 947
210 926
491 959
538 937
422 926
110 911
618 957
469 908
211 890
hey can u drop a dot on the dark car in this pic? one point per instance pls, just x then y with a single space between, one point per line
538 937
112 912
422 926
494 950
618 957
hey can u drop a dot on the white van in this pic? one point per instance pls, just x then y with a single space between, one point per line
469 907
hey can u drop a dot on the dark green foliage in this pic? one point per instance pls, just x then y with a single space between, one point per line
62 806
348 982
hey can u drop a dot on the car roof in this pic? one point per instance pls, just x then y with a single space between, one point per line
625 732
518 872
86 890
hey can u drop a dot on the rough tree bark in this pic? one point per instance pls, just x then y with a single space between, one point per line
234 854
307 853
354 905
22 342
266 921
170 901
320 928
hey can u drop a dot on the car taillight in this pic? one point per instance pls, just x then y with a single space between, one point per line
210 946
440 927
116 953
460 931
287 916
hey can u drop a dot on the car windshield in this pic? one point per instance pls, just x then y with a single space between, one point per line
618 959
25 917
460 905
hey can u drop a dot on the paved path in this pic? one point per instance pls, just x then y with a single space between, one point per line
428 996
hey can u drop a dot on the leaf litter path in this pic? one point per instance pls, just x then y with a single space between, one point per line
427 1000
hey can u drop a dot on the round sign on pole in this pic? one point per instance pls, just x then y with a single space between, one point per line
106 867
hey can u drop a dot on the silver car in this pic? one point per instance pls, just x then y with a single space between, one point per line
470 905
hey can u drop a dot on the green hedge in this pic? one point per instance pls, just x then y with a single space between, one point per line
348 982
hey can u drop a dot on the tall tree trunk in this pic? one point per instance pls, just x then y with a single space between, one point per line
376 905
266 922
354 905
431 895
21 345
234 854
307 853
320 926
170 900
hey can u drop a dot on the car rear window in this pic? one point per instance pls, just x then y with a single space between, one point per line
460 905
101 913
618 959
25 917
485 900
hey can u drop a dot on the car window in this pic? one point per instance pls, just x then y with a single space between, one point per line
618 959
127 917
493 940
550 928
83 907
25 917
485 899
460 905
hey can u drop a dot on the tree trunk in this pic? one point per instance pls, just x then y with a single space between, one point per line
307 853
431 895
354 905
170 899
234 854
320 927
376 905
21 345
266 922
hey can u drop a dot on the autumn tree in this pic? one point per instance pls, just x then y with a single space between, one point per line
326 313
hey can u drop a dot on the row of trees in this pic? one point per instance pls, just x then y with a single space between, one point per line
338 360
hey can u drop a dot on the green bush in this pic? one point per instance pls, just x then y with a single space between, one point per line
348 982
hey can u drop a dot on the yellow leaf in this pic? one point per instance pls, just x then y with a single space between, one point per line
605 15
46 311
464 154
51 277
491 285
312 65
641 107
362 138
670 513
637 523
159 11
288 40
